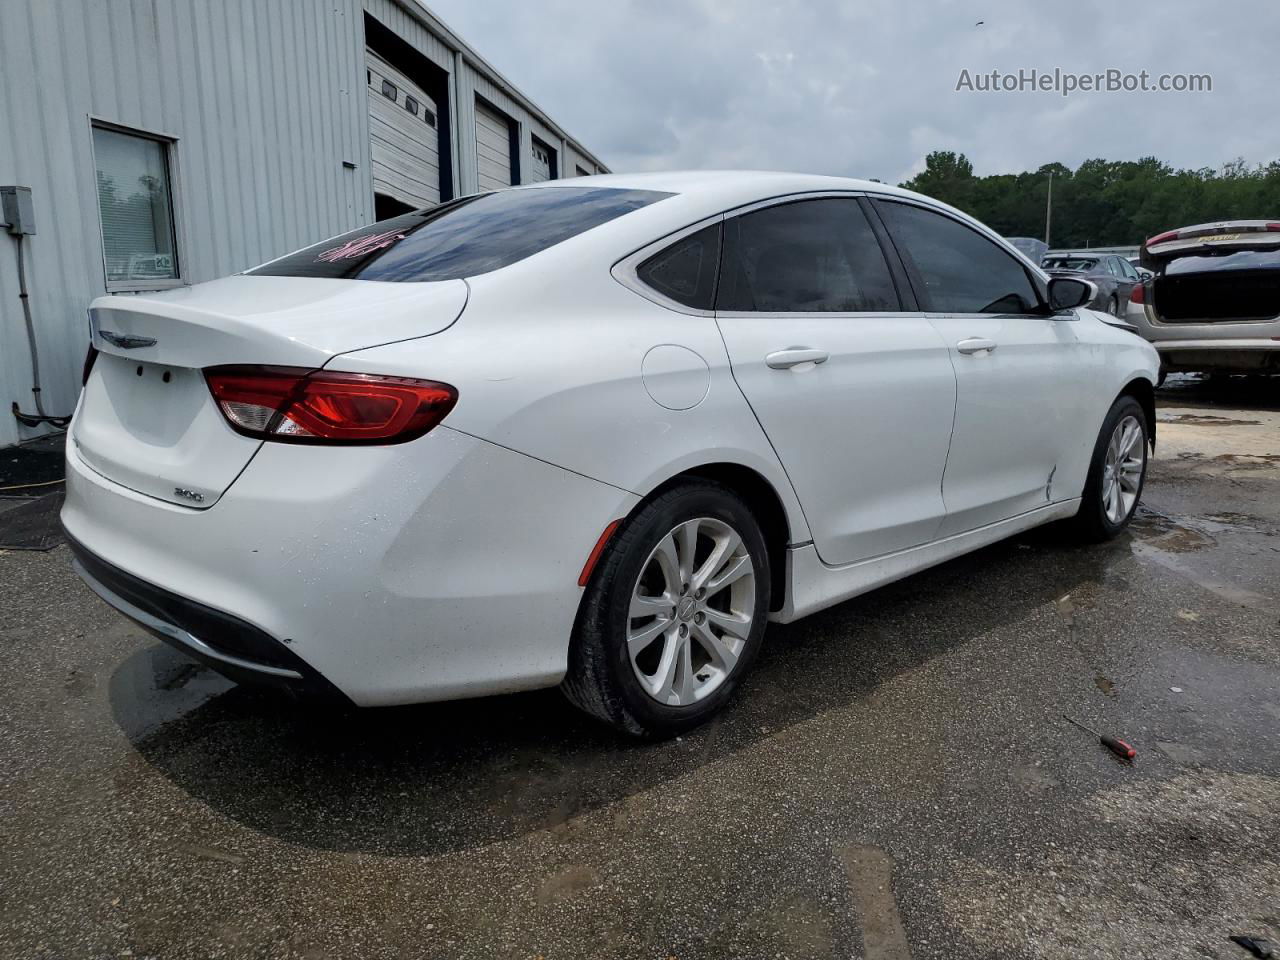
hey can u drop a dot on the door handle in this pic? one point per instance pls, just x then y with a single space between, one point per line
794 356
975 345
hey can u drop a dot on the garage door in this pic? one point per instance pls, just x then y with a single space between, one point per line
403 140
493 147
543 162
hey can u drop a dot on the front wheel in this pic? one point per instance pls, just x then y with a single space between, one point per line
1116 473
674 613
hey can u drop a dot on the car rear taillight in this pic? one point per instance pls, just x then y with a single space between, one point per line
1274 227
298 405
1138 294
90 356
1162 237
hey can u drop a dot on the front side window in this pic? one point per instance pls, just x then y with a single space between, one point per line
135 204
811 256
962 271
462 238
686 271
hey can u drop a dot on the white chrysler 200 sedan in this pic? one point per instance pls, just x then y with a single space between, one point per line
592 434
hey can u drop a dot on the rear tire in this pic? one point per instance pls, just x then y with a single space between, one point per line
1113 307
1117 472
673 614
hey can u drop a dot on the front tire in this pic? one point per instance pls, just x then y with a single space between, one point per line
1117 472
674 613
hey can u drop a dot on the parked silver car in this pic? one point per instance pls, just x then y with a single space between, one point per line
1213 304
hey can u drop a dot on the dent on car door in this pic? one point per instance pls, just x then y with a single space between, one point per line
1021 373
855 393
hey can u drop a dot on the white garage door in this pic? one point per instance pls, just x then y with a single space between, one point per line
542 162
403 141
493 147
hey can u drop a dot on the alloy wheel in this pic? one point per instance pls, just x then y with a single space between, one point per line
691 612
1122 470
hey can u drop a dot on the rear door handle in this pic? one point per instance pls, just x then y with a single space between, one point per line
976 345
794 356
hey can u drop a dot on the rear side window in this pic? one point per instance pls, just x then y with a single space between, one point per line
463 238
962 271
686 271
811 256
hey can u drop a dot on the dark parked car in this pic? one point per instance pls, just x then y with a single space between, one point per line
1214 303
1114 276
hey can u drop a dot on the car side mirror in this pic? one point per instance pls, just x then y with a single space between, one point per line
1068 292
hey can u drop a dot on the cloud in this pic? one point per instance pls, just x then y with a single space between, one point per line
867 88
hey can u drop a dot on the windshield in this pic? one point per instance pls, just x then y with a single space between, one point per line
464 238
1069 263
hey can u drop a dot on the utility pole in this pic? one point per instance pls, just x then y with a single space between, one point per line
1048 211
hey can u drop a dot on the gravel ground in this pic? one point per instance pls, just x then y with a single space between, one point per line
894 781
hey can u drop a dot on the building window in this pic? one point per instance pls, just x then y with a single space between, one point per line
411 104
389 90
429 117
135 203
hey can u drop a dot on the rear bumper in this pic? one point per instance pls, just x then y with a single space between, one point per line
228 644
1231 354
1235 344
432 570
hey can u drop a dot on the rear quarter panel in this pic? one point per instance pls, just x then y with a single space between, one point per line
552 363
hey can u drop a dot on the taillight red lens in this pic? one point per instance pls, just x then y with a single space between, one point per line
297 405
1162 237
1273 227
1138 294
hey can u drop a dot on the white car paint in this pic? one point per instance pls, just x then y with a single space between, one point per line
448 566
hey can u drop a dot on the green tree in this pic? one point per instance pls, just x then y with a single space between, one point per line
1103 202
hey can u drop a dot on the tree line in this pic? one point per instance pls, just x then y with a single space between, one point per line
1102 203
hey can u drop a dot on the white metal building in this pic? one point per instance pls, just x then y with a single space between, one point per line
168 142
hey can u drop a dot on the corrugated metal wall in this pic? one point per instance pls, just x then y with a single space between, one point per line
267 104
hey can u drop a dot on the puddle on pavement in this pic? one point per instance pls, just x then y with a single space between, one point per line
1164 533
1247 459
1207 420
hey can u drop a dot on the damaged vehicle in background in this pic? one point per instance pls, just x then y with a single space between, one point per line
1033 249
1213 304
1114 276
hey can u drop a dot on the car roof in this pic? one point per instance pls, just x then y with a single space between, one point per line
748 181
725 189
698 194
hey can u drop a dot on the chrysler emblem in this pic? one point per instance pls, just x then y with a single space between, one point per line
126 341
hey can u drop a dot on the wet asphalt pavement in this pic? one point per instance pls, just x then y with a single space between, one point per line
894 780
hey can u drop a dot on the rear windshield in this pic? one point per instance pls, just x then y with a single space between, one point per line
1069 264
461 238
1243 260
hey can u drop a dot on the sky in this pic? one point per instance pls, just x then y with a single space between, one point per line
867 89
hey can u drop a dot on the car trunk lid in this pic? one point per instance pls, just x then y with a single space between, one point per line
147 420
1216 273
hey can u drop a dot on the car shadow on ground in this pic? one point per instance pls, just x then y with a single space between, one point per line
444 777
